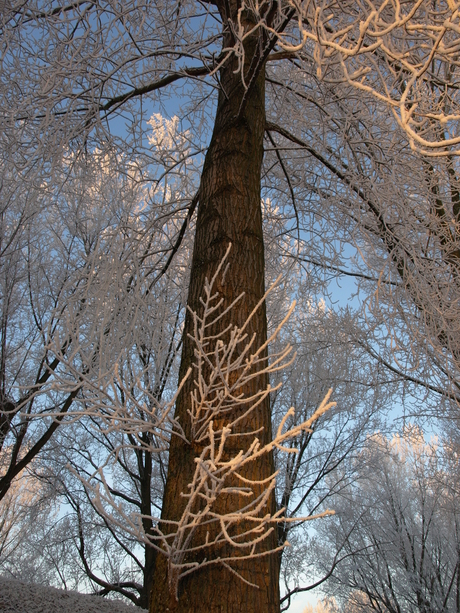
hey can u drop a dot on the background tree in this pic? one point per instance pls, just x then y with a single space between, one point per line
24 511
357 184
106 344
397 525
73 269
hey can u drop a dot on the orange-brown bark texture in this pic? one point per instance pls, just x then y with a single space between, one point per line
229 212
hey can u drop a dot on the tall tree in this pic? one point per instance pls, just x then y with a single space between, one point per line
69 69
229 212
398 526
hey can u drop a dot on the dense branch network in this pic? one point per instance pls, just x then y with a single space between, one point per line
220 369
97 61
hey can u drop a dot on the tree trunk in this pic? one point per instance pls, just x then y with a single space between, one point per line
229 212
144 460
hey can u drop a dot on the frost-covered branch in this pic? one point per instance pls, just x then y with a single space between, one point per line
206 533
403 53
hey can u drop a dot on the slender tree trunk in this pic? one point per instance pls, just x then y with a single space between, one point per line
145 471
229 211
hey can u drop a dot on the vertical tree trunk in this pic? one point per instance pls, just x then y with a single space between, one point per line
144 460
229 211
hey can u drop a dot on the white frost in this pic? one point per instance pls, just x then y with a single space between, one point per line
19 597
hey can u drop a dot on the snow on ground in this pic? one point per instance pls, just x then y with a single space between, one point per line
19 597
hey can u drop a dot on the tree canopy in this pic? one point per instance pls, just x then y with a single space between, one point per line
143 145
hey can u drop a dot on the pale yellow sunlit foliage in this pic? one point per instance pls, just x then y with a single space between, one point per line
325 605
23 494
357 602
408 446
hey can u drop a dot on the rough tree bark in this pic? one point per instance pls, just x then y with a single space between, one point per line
229 212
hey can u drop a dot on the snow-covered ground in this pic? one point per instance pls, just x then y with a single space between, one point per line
18 597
